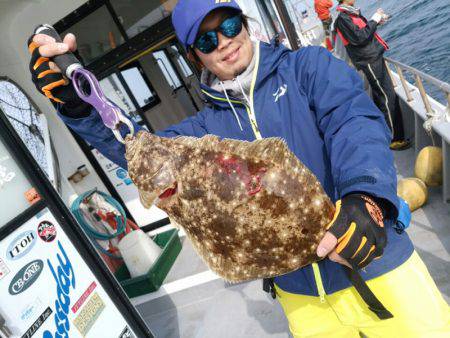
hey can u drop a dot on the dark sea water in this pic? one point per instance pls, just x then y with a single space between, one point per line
418 34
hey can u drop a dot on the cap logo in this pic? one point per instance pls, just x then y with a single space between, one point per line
222 1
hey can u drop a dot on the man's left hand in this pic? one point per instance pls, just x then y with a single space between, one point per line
356 235
378 16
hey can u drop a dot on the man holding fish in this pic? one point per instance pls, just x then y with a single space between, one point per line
318 106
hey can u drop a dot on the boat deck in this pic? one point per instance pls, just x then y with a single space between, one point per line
194 302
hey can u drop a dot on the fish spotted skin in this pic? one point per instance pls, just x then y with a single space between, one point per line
251 209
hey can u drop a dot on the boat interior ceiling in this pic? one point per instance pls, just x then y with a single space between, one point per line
146 72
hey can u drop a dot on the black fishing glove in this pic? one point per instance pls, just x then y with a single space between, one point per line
54 85
359 229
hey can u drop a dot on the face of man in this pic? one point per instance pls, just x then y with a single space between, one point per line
232 55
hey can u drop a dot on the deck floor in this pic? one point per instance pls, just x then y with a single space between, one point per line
193 302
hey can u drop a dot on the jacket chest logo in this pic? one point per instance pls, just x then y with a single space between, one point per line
280 92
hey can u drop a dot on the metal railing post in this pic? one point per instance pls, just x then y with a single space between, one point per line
287 24
405 86
390 73
448 106
424 96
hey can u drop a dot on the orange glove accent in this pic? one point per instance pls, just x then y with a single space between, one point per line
359 229
55 85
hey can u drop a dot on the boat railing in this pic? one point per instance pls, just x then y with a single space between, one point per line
431 118
419 78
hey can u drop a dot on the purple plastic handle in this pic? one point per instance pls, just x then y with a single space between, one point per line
109 113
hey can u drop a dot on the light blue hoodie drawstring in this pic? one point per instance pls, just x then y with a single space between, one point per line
242 90
231 105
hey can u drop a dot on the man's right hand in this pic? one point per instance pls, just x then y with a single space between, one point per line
356 235
47 77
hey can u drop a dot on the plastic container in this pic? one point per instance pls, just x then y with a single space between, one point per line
170 244
139 252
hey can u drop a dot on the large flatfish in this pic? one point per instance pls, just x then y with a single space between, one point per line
251 209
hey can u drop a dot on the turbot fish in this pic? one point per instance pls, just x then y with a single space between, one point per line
251 209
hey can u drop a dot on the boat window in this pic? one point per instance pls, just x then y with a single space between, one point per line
305 21
272 20
114 91
167 69
261 25
181 62
138 85
137 15
31 126
97 34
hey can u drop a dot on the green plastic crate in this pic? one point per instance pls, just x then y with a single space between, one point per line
152 280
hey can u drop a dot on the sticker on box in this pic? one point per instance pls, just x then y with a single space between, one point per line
38 323
21 245
4 270
32 196
46 231
89 314
83 297
126 333
26 277
64 277
5 175
30 309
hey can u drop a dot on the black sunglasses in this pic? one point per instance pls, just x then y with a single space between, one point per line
208 41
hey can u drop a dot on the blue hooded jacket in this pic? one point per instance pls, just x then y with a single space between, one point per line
318 105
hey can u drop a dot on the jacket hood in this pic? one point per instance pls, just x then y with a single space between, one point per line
349 9
268 57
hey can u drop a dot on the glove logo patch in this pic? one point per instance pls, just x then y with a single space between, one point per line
374 211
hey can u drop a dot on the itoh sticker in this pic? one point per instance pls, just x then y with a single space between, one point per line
46 231
89 314
3 269
21 245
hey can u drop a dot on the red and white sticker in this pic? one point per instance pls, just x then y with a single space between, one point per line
46 231
4 270
83 297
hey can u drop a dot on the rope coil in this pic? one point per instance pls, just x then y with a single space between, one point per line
95 235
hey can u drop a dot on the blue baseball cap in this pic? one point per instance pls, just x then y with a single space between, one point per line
188 15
